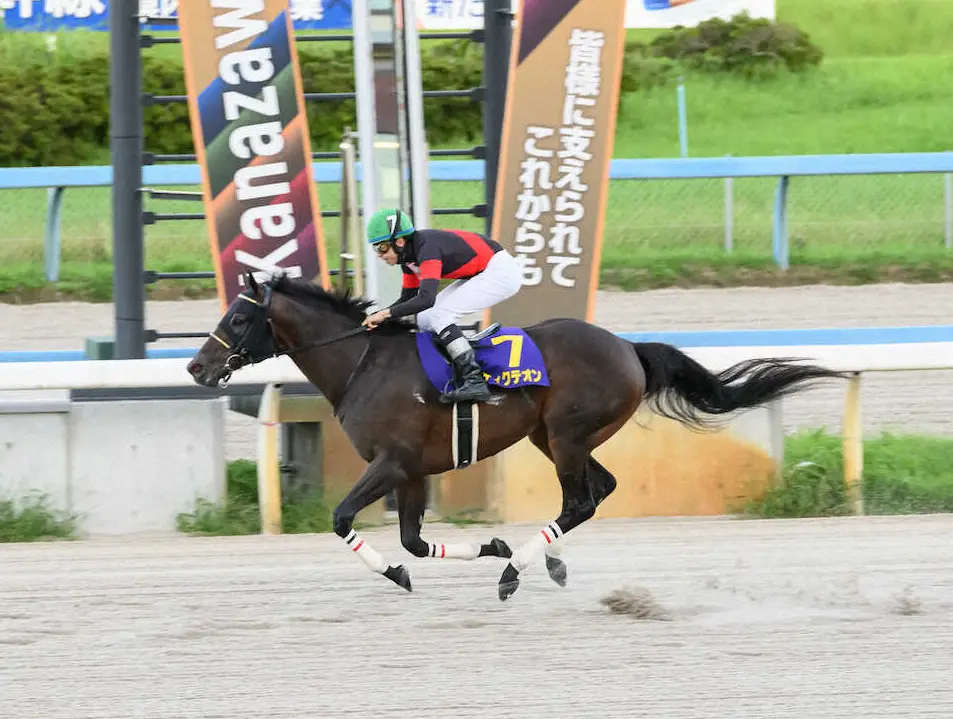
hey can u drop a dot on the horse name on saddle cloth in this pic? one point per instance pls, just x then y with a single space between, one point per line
509 359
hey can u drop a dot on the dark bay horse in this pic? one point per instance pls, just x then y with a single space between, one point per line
392 414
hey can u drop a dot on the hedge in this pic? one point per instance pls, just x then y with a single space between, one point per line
58 113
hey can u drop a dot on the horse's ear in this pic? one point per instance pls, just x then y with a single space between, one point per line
250 281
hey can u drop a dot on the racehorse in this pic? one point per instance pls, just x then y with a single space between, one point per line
391 412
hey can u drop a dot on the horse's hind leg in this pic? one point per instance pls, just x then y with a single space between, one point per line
570 457
600 480
580 500
600 484
411 504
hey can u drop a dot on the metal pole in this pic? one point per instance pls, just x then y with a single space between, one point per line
682 118
269 472
729 213
498 31
125 115
350 212
418 158
366 129
780 237
346 224
853 445
948 211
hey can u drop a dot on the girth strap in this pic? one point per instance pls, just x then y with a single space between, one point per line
465 433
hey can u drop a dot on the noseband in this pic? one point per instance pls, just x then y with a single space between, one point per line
242 351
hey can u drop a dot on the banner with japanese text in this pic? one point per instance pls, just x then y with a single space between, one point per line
247 110
558 129
52 15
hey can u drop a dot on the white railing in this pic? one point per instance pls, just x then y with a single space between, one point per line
117 374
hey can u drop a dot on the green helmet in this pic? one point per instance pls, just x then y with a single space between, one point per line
388 224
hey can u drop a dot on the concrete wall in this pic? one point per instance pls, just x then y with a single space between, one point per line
34 451
124 467
662 468
133 466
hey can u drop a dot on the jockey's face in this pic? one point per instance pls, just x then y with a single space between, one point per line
386 251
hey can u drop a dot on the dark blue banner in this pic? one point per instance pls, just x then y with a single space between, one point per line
53 15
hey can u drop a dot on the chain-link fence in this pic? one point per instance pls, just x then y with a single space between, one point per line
830 218
826 215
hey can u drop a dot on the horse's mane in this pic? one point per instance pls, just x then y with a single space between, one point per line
342 302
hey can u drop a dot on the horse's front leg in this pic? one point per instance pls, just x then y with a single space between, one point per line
411 505
381 476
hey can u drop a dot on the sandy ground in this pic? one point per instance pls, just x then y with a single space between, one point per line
910 401
813 619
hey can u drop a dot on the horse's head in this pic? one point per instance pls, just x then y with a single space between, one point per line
243 336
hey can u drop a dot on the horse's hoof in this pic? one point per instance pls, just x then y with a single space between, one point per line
399 576
496 548
509 582
499 548
557 570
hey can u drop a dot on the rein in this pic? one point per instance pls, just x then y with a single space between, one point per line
321 343
241 355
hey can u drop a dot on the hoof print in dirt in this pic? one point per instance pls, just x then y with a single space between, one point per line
636 602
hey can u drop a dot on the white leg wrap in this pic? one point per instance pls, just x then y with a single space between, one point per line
454 551
555 549
524 556
374 561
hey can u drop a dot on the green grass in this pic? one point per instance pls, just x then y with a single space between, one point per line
848 105
33 519
902 475
855 28
239 513
881 88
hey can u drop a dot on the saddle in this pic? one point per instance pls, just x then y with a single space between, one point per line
507 355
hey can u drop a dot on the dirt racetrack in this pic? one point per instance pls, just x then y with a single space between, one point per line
909 401
814 619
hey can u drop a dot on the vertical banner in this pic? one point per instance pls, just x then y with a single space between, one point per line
251 139
558 129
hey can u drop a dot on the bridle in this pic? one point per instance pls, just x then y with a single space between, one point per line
250 348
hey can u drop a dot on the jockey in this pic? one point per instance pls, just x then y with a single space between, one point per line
485 275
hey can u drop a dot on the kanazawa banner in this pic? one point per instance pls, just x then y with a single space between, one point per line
251 138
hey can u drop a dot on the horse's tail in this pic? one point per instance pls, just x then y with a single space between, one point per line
680 388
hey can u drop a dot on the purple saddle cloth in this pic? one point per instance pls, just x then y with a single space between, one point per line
509 359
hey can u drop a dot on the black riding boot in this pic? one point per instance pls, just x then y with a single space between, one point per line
471 386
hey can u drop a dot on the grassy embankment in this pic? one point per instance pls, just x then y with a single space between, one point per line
880 88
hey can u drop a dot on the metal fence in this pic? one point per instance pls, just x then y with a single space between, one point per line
646 220
824 214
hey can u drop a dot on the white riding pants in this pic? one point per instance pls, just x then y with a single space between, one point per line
501 279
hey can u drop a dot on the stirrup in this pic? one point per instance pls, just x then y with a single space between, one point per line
474 340
452 397
468 379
